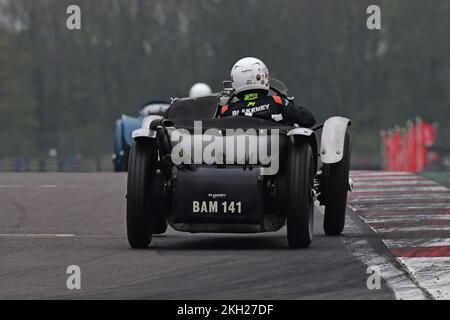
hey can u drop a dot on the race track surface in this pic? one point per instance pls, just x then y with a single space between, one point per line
52 220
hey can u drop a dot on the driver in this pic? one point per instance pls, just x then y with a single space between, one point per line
250 79
199 90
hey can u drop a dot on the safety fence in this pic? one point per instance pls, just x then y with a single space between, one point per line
410 148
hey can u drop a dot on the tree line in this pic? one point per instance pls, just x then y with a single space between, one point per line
63 88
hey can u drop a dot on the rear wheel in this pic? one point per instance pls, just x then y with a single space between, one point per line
300 211
141 173
336 185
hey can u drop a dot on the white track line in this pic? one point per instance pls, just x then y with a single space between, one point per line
445 196
428 197
433 274
411 229
399 281
358 183
380 173
406 218
404 288
388 179
400 207
393 188
28 186
416 243
37 235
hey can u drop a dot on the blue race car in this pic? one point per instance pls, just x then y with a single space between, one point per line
124 128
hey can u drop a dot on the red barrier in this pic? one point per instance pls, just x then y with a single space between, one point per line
406 149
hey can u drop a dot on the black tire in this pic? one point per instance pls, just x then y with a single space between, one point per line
335 180
159 220
141 172
300 210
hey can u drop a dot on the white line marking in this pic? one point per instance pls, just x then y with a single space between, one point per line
358 183
400 207
389 179
406 218
439 196
433 274
375 197
430 274
380 173
399 281
28 186
411 229
36 235
409 189
416 243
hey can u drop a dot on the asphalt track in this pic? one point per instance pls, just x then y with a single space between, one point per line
52 220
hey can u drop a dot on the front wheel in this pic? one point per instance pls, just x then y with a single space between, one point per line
300 211
141 173
159 220
336 185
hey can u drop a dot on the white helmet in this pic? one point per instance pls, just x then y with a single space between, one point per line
249 74
199 90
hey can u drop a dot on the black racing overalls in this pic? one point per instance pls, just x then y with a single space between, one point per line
263 106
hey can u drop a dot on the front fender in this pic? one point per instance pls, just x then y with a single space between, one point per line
333 138
309 135
130 124
300 132
144 130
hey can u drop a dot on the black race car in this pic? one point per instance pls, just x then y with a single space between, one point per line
233 188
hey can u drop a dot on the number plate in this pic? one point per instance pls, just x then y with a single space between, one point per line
217 207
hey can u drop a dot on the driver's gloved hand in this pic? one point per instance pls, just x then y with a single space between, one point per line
161 123
299 115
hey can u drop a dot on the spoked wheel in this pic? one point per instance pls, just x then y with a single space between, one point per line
300 211
141 173
336 184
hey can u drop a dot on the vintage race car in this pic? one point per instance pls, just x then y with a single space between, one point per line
197 172
125 126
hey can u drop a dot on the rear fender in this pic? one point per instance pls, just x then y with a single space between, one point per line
333 138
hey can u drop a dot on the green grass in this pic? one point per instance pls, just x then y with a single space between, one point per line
442 177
